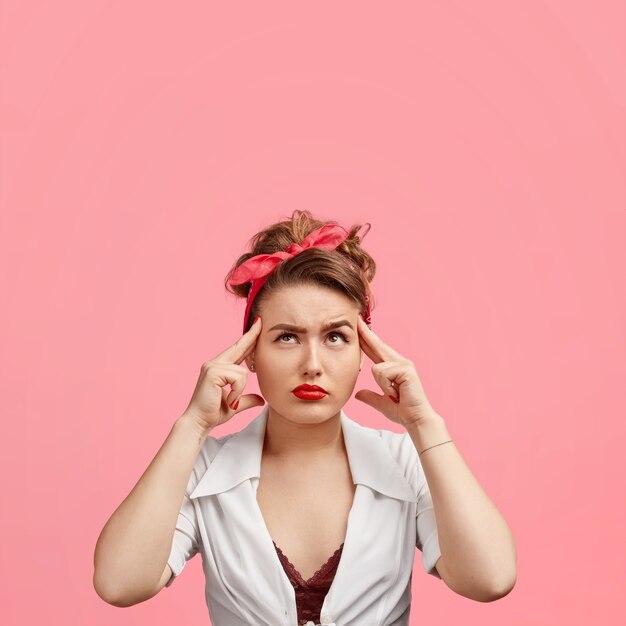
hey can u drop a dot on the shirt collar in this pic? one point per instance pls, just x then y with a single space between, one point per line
371 461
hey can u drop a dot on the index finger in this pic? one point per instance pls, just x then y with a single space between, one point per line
373 346
243 346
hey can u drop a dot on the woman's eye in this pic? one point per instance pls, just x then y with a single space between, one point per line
284 335
345 339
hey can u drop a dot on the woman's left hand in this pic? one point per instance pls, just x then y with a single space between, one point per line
397 378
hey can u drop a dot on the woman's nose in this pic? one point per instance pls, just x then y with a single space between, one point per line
312 364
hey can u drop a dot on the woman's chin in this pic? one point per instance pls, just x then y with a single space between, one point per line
301 411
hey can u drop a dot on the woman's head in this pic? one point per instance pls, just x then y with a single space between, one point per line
309 291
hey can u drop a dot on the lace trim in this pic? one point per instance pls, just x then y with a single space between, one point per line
318 574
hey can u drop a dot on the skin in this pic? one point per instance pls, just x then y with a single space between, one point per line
304 429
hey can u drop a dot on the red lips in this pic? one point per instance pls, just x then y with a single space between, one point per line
309 388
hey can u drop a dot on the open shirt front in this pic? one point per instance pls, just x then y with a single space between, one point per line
392 514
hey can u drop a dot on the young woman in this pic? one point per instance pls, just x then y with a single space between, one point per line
305 517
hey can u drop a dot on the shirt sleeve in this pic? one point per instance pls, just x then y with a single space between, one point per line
427 539
186 541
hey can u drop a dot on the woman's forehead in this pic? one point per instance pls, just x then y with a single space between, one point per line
308 304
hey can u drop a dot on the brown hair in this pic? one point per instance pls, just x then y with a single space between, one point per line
348 268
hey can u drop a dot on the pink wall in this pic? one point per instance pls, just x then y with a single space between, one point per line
144 143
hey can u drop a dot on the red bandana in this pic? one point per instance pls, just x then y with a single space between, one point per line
259 267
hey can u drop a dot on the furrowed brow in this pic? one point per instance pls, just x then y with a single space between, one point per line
300 329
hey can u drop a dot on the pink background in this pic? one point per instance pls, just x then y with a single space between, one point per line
143 144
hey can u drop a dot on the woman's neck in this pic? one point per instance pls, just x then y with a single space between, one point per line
297 441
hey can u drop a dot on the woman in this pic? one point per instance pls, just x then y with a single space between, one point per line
304 516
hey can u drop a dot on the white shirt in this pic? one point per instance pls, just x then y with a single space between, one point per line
392 514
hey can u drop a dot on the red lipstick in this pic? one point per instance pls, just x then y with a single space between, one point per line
309 392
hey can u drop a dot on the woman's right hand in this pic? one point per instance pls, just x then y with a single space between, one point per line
212 403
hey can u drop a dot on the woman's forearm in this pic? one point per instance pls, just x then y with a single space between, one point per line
133 547
477 546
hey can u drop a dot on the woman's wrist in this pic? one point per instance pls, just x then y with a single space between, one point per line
189 423
428 432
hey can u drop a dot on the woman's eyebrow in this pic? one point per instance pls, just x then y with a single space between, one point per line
300 329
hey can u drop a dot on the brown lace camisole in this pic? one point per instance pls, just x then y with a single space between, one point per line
310 593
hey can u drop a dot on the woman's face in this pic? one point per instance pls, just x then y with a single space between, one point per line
303 351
